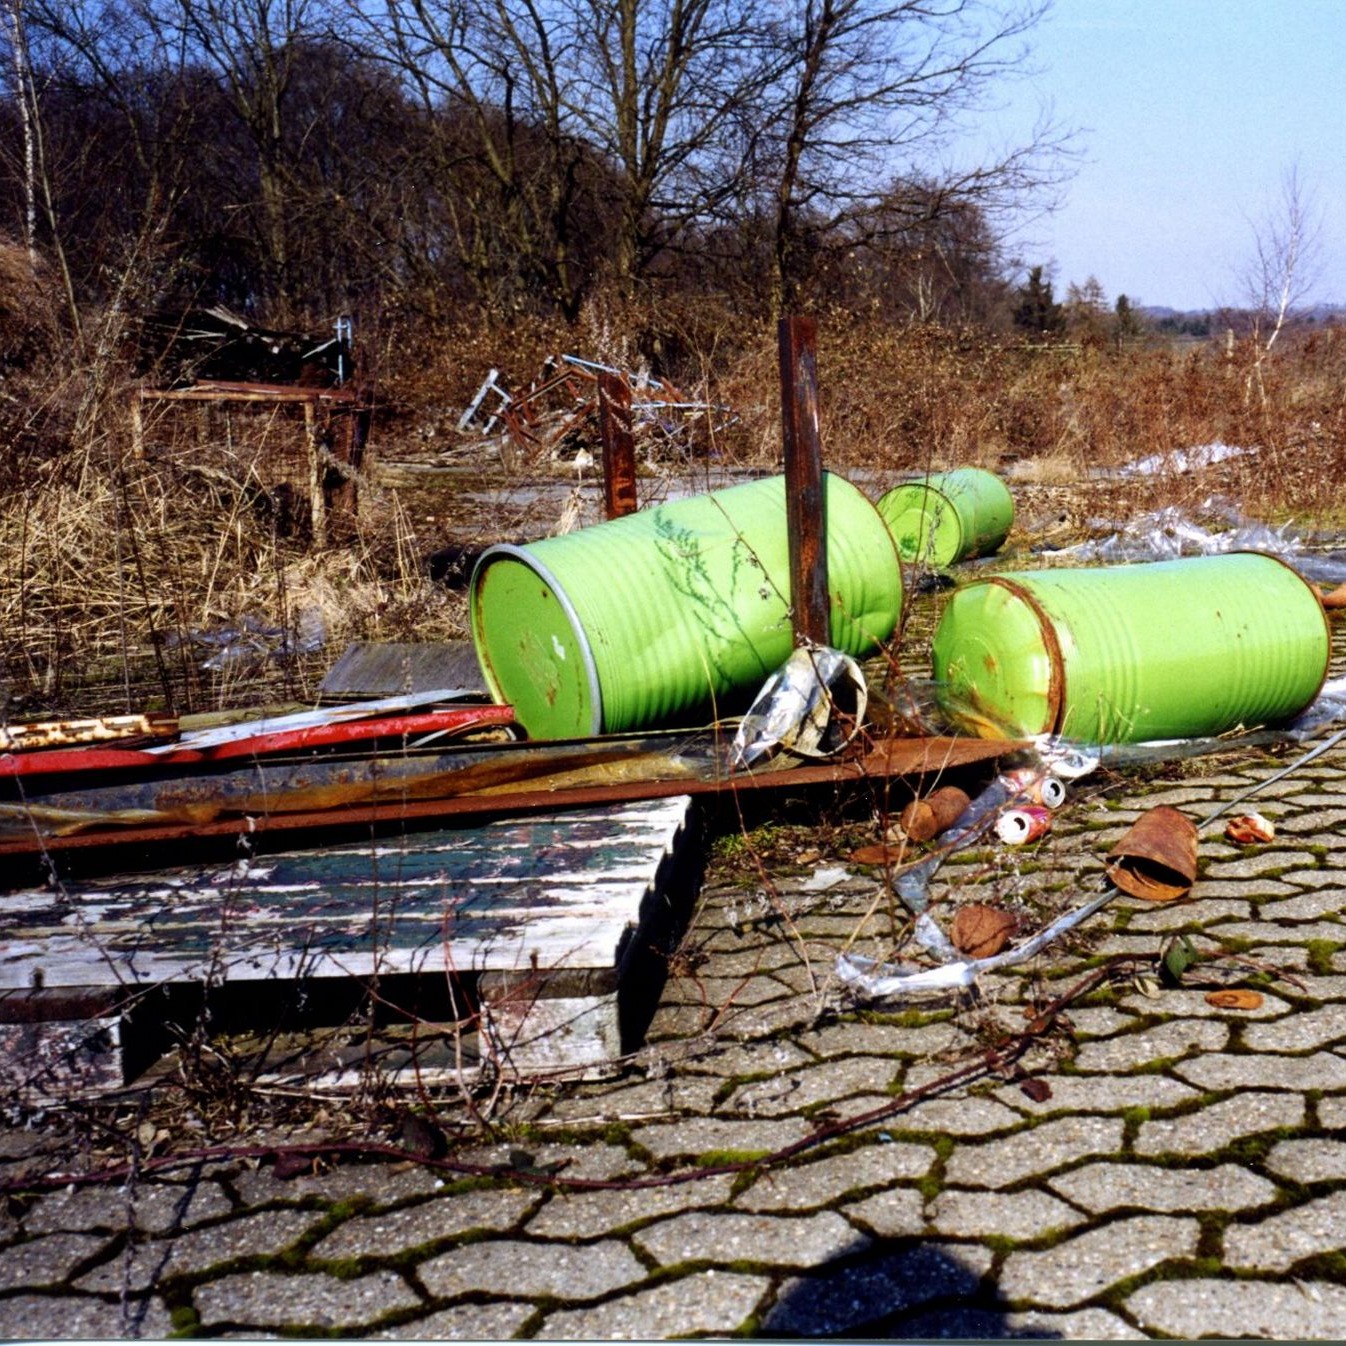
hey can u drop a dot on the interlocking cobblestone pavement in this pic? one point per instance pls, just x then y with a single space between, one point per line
1179 1169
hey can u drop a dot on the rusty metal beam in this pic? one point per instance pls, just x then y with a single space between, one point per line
809 607
904 758
619 445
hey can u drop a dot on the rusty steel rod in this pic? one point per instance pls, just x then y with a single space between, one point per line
809 608
619 445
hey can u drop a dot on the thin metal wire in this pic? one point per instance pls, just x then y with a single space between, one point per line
1294 766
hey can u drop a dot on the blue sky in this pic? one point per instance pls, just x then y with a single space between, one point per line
1190 114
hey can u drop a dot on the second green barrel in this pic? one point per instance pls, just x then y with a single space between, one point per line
948 516
1172 649
670 612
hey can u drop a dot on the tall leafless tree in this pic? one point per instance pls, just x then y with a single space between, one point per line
873 90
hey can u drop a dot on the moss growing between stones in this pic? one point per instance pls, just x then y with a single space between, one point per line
185 1320
723 1158
1133 1118
1320 953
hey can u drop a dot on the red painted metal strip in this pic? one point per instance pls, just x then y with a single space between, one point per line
455 721
85 759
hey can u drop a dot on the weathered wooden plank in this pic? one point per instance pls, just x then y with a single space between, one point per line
552 892
47 1061
538 911
531 1034
385 668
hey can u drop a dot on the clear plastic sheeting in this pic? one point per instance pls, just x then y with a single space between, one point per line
253 642
1065 758
1178 460
1170 533
813 704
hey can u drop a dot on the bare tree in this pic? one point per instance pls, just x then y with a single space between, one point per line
873 90
662 89
631 103
1285 259
492 79
256 49
36 173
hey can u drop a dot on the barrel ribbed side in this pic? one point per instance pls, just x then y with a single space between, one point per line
1173 649
679 609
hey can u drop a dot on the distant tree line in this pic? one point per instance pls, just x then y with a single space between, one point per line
292 159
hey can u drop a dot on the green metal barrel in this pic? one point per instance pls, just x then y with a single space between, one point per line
671 612
1173 649
949 516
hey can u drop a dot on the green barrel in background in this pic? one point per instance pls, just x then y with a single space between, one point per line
673 611
1171 649
948 516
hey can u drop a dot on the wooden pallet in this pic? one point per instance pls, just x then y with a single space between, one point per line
530 929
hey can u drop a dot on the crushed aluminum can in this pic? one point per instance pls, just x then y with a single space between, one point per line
1250 829
1017 827
814 705
1037 787
1155 860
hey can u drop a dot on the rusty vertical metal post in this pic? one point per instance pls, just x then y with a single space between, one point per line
809 606
619 445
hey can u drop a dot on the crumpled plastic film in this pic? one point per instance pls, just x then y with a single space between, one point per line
1169 533
1070 760
872 980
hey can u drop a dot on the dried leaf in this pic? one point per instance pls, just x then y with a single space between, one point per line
291 1166
1038 1090
878 855
981 931
1179 956
1234 998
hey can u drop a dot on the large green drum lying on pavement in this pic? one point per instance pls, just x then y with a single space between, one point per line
1173 649
678 610
949 516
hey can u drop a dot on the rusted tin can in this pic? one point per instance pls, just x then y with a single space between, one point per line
1172 649
670 613
948 516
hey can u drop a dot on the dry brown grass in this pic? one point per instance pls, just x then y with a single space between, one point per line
112 563
122 571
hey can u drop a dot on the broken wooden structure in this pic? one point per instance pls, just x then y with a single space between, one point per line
519 947
319 472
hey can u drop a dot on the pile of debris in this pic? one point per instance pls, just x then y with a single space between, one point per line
215 345
611 663
557 415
